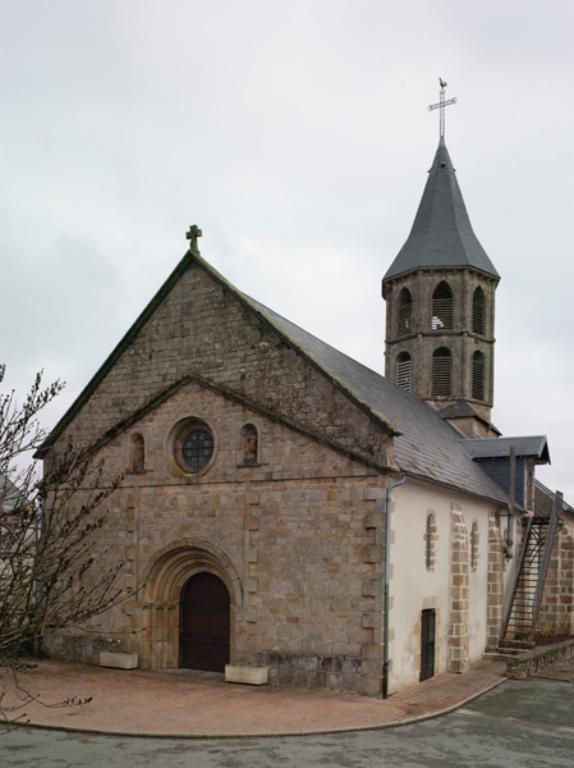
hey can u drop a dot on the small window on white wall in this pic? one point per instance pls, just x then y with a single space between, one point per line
474 542
430 542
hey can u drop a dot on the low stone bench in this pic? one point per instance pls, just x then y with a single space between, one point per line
236 673
118 660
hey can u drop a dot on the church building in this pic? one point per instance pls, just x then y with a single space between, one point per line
285 507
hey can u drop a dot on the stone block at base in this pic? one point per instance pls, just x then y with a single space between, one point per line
246 675
117 660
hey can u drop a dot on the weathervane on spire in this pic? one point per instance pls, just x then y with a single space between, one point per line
442 104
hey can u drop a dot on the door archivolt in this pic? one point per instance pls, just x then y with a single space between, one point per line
175 565
172 568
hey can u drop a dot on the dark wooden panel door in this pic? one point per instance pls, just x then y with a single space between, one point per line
427 643
204 633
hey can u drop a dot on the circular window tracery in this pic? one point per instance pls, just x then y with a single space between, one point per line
194 446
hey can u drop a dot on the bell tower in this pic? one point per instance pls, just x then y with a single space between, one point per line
439 292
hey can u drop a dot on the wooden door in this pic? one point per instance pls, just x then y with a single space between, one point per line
204 624
427 643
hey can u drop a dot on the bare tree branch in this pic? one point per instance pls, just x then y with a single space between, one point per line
51 572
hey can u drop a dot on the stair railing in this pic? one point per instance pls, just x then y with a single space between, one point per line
555 515
516 578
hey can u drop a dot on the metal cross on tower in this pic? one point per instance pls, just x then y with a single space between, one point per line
442 104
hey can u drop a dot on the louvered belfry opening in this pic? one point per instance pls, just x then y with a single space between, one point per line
478 376
404 371
405 311
441 372
442 307
478 311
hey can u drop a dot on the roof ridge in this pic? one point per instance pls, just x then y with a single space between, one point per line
426 446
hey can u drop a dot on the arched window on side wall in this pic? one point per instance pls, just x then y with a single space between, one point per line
249 444
430 543
441 378
404 371
478 311
474 546
137 453
478 376
442 303
405 311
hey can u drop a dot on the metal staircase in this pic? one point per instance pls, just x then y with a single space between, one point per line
521 619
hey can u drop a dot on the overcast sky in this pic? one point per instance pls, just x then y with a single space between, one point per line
296 134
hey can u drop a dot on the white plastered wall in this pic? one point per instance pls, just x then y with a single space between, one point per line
413 587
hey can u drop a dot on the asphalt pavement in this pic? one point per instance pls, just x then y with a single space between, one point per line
519 724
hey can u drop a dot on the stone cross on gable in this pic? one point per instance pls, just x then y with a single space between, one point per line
442 104
192 235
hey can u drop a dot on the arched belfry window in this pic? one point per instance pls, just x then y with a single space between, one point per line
404 371
405 311
478 311
441 379
249 444
478 376
442 302
137 453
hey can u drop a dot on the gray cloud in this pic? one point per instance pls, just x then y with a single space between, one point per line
297 135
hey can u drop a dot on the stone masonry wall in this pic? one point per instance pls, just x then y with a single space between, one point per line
557 608
461 340
458 641
297 538
495 597
202 328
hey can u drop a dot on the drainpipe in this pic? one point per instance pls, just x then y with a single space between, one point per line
509 527
386 577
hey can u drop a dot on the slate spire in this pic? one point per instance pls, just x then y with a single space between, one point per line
441 235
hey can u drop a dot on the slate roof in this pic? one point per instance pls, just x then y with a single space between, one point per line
441 235
463 410
8 494
427 446
544 499
499 447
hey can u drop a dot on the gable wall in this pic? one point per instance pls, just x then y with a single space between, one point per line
298 534
201 328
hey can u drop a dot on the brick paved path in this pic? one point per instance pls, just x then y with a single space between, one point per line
183 703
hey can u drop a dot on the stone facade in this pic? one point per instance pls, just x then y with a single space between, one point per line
202 327
295 535
289 513
297 540
557 607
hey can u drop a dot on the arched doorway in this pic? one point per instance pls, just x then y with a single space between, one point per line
204 623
